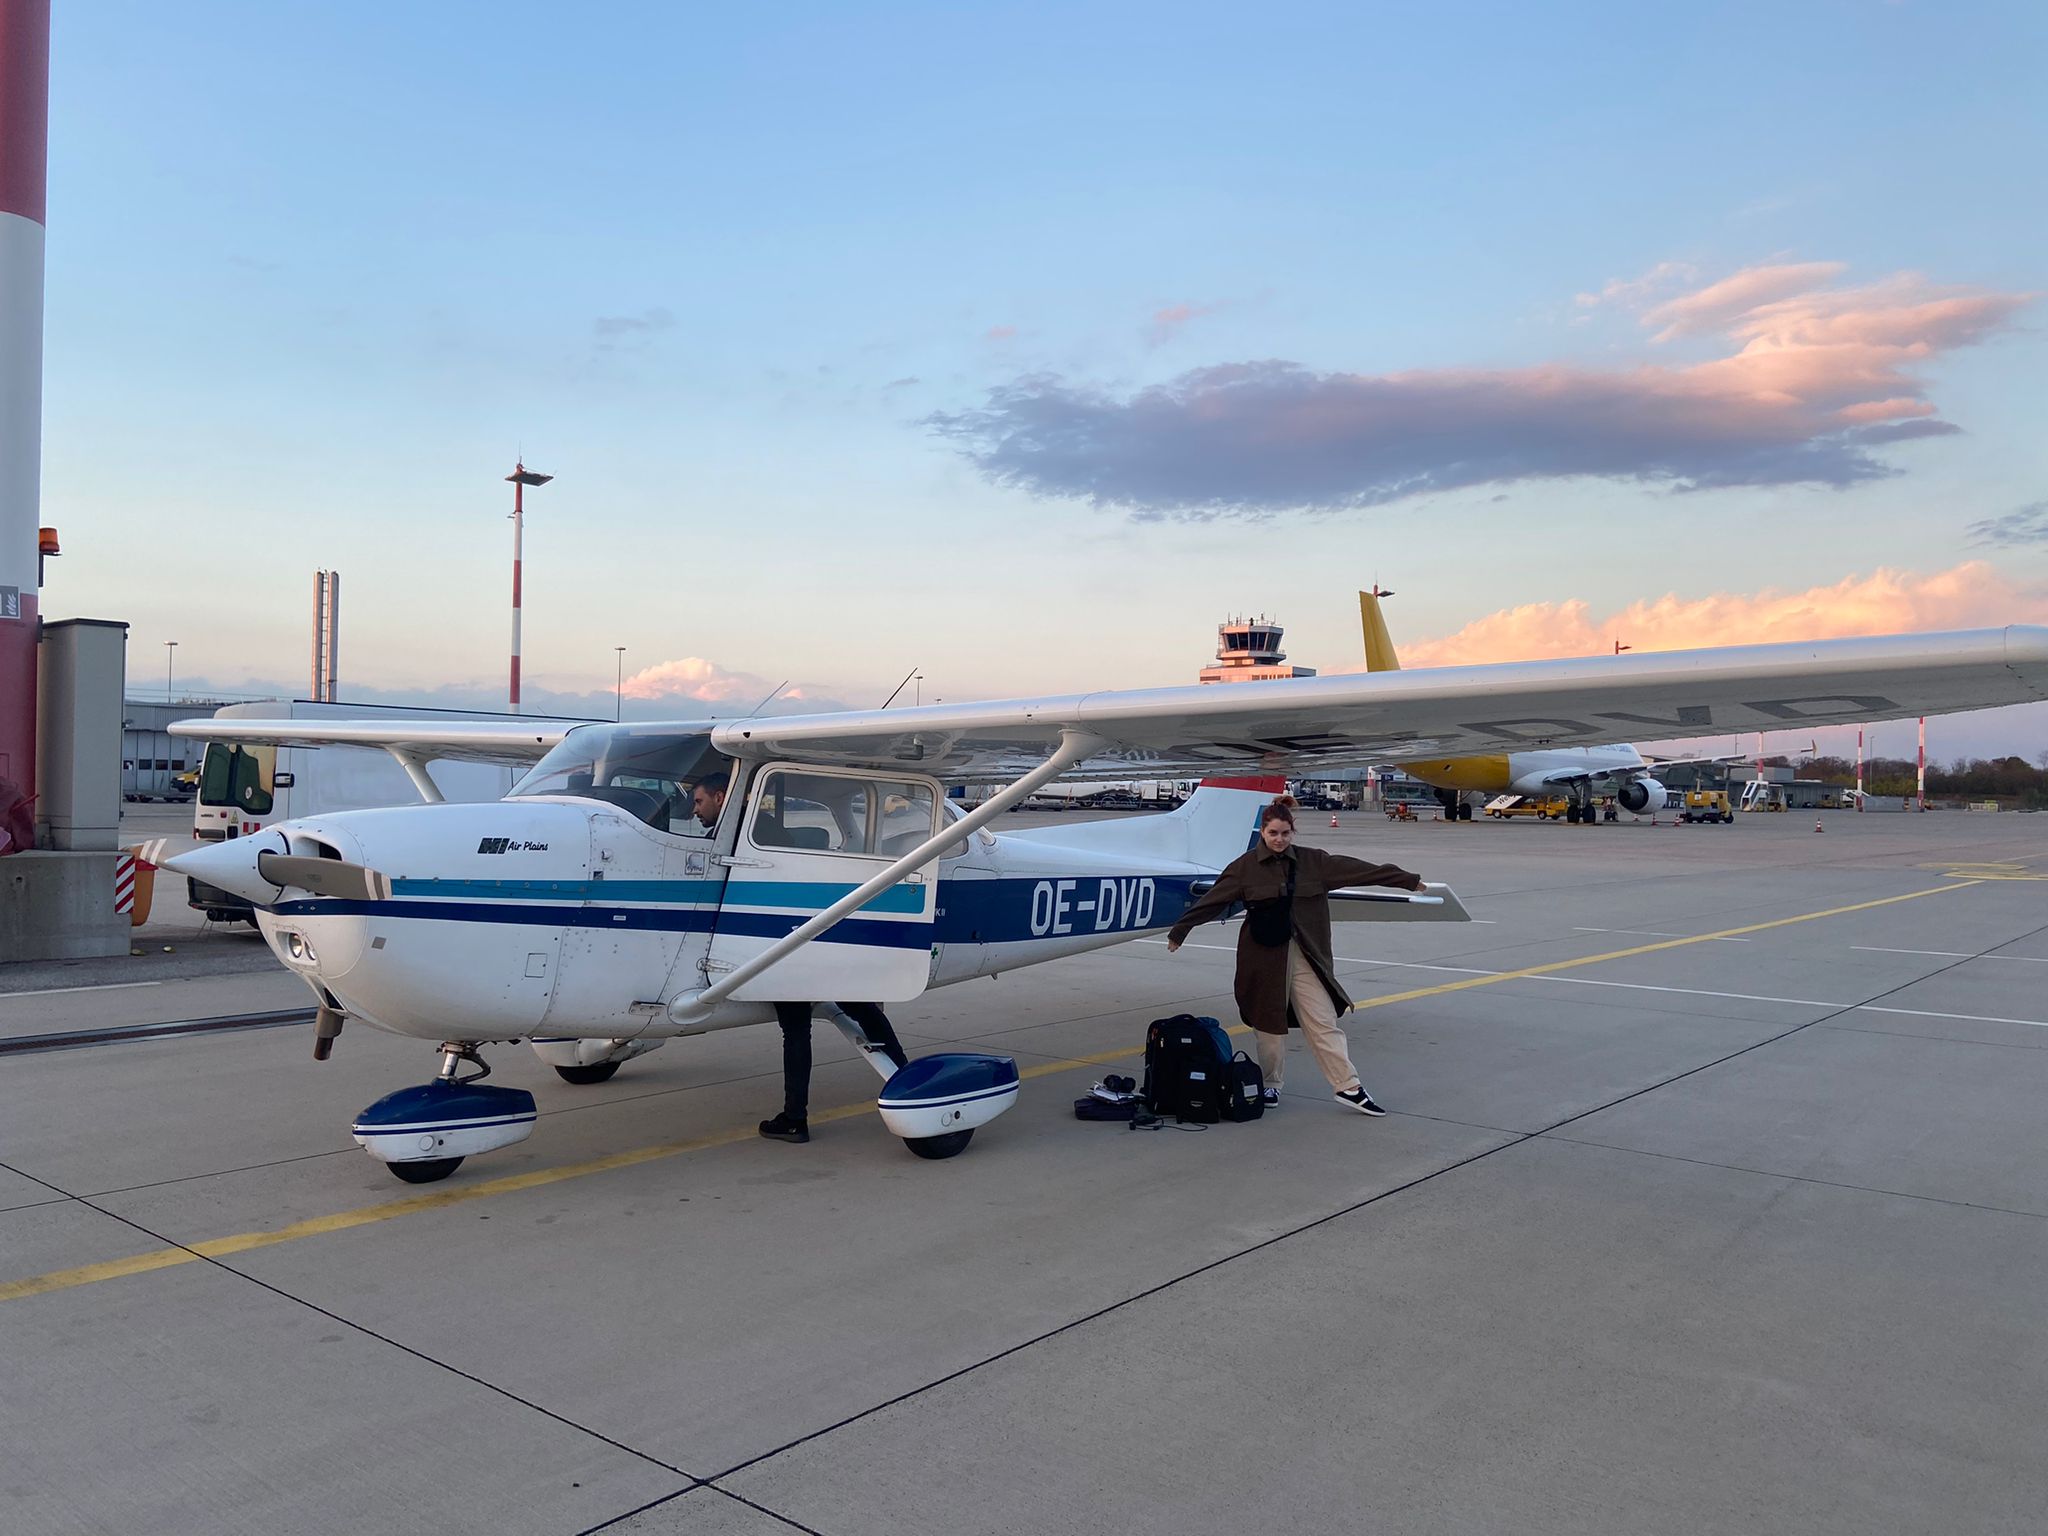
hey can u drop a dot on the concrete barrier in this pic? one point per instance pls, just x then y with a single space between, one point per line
59 906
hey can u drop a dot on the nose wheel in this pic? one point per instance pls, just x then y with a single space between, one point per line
423 1134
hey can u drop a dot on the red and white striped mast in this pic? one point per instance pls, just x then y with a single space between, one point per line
521 477
1920 773
1859 767
24 169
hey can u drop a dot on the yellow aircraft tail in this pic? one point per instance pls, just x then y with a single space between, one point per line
1379 645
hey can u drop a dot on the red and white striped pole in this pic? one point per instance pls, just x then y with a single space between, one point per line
24 168
1920 773
1859 767
521 477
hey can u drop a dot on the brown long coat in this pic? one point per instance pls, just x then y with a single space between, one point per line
1261 874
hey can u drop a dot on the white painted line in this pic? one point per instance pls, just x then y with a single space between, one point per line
1656 933
1638 986
1570 981
1968 1018
1948 954
111 986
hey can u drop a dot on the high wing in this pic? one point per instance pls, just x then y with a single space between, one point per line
1365 718
429 740
1338 721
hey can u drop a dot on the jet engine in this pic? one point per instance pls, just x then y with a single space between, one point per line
1645 797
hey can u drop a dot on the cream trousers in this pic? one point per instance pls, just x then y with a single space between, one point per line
1317 1016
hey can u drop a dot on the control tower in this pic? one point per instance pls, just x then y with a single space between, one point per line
1248 651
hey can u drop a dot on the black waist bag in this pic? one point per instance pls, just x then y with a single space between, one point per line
1271 922
1244 1089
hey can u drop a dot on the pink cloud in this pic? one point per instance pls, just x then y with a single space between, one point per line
1000 333
1713 307
1886 601
1811 380
1169 322
692 677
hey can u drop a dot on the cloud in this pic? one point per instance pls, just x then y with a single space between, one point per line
1967 596
2029 525
1000 333
692 677
1720 304
903 383
610 330
1809 382
1169 322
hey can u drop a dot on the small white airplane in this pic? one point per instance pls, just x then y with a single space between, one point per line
589 914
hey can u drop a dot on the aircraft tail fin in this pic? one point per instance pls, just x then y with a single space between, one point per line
1215 824
1379 645
1222 817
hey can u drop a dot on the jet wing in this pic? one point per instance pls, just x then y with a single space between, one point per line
482 741
1306 723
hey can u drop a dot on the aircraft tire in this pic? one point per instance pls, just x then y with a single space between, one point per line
1464 811
430 1171
951 1144
584 1077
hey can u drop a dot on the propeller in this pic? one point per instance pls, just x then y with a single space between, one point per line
325 877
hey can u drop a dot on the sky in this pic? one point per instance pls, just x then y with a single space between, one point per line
1019 345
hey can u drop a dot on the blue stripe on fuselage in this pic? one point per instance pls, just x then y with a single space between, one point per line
1006 911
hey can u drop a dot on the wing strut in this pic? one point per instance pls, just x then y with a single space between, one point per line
691 1007
415 766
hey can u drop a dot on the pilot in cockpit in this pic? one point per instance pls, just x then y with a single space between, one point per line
707 801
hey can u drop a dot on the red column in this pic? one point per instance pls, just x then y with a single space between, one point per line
24 164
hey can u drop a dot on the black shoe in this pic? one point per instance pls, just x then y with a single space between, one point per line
783 1128
1361 1101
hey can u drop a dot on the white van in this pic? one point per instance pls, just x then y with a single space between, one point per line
245 789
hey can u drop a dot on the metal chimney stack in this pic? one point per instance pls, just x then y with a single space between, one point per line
326 634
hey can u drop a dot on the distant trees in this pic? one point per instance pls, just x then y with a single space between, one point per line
1977 778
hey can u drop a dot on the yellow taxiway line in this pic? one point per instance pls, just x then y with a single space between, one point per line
368 1215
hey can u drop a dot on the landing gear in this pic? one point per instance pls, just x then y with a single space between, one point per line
427 1171
584 1077
423 1134
952 1144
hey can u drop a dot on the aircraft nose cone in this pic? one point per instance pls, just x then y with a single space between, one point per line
231 867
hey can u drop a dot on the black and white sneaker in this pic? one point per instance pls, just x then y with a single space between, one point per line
1361 1101
1270 1097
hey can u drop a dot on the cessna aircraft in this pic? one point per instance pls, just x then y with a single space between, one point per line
589 914
1576 772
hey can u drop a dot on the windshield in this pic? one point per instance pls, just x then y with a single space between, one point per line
647 771
238 776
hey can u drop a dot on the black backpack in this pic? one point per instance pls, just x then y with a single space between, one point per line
1188 1073
1244 1089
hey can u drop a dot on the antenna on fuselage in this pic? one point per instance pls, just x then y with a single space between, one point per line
769 697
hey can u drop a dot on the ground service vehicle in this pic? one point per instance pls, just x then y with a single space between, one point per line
1707 805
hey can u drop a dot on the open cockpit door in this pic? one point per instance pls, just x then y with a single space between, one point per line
810 837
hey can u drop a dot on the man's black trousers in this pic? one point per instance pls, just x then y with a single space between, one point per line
795 1019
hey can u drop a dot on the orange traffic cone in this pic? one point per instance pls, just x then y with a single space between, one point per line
1333 819
1817 826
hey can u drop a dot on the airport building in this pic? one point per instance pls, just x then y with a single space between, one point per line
1248 651
151 758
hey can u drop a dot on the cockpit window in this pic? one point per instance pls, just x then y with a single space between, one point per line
645 770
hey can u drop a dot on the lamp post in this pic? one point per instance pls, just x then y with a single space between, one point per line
619 686
1619 647
521 477
170 655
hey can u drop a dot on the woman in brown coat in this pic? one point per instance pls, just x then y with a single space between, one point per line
1284 970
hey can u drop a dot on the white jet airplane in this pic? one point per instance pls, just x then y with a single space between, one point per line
588 913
